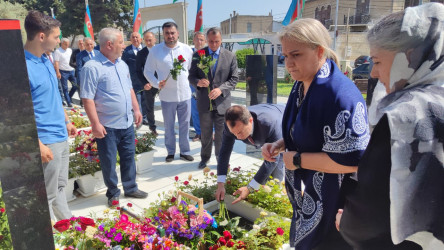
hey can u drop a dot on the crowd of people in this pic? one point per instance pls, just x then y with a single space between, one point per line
350 187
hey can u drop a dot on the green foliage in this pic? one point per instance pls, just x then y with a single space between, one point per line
71 13
241 56
10 10
5 235
265 233
145 142
203 189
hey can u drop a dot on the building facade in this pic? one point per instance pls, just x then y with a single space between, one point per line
246 24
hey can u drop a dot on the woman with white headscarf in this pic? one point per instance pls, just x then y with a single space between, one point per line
399 199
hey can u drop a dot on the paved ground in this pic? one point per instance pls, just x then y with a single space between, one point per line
161 177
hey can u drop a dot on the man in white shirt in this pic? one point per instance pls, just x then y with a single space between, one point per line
64 71
174 95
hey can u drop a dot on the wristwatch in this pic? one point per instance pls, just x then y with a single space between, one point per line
250 188
297 160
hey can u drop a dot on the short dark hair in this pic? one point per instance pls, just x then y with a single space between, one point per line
237 113
169 25
36 22
214 31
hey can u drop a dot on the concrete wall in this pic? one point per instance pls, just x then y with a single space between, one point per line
239 24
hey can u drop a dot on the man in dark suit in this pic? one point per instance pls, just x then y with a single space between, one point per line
84 56
149 92
129 57
223 77
257 125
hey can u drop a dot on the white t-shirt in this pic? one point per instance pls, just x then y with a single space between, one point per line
63 56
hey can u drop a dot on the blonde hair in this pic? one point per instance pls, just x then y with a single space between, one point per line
311 32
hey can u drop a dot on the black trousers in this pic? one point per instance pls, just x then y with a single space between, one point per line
150 95
208 120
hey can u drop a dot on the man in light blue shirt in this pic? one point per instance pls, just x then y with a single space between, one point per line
174 95
109 101
53 125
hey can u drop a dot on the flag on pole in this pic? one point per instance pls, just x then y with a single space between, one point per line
87 27
54 17
174 1
137 19
199 17
294 12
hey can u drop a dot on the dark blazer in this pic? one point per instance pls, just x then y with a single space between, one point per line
267 128
140 65
81 58
225 78
129 58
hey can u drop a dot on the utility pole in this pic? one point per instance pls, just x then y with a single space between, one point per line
346 41
336 25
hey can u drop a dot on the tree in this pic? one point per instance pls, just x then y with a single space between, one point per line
14 11
71 13
241 57
104 13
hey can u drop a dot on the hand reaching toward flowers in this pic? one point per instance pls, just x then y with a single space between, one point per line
243 192
220 192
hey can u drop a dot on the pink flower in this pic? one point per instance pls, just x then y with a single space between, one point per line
279 231
185 183
129 204
2 209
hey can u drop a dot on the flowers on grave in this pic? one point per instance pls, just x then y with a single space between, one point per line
205 64
145 142
5 234
78 119
267 233
183 223
85 158
76 232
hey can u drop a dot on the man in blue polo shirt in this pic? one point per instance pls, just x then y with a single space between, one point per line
53 125
109 99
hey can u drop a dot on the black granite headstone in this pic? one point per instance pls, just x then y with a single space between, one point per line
261 75
21 170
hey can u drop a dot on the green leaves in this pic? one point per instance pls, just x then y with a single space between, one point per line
5 234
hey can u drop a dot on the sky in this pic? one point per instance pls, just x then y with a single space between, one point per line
215 11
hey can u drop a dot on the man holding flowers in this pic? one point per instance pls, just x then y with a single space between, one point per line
214 74
168 59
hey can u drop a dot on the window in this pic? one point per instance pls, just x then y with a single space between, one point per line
248 27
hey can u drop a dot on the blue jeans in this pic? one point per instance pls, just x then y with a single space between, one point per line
68 75
195 112
183 110
121 140
141 100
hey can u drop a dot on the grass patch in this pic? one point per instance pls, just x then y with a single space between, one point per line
283 88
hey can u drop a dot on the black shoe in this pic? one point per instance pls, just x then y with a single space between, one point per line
169 158
145 122
196 137
64 103
186 157
112 202
153 131
70 105
202 164
139 194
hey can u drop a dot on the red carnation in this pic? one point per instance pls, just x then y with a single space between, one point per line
115 203
84 222
2 209
181 59
201 52
176 178
230 243
222 241
227 235
185 183
129 204
62 225
118 208
240 244
173 199
279 231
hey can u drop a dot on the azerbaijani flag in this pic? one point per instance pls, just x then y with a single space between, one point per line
54 17
174 1
137 19
87 27
199 17
293 12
